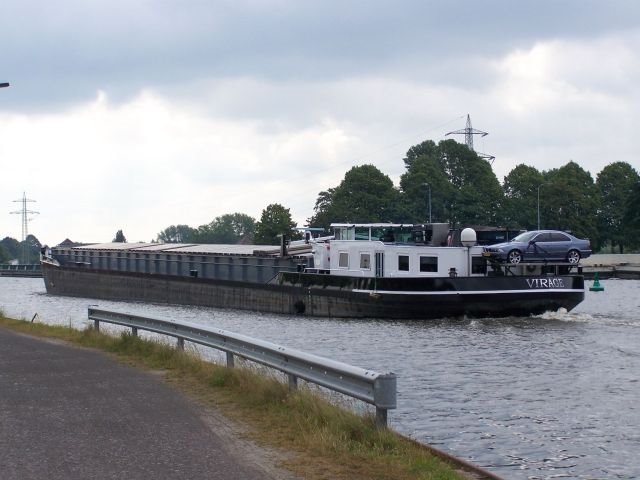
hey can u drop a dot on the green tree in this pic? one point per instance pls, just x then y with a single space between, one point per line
177 234
203 234
427 149
521 188
365 195
615 185
321 217
234 227
12 247
425 178
464 189
4 256
631 218
274 221
570 201
479 200
226 229
32 248
27 251
120 238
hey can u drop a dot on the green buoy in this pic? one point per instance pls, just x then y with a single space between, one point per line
596 284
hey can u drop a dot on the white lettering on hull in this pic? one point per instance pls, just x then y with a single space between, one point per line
545 282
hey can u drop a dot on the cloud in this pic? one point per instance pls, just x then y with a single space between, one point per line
552 75
569 100
59 53
146 164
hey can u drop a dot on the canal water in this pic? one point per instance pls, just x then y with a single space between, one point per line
552 396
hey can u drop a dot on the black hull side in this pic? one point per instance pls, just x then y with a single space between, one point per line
327 296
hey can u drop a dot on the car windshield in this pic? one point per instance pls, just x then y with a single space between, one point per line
525 237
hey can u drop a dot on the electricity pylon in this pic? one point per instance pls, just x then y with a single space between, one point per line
468 133
25 224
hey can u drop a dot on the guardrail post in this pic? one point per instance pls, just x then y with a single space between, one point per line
96 325
180 343
384 397
381 417
134 331
293 381
230 360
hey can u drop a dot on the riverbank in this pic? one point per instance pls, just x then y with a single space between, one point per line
624 266
21 270
324 441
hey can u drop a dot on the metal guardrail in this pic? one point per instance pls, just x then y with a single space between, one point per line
378 389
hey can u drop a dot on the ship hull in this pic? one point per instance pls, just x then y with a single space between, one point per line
328 295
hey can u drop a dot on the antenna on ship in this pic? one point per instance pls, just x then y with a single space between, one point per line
468 133
25 224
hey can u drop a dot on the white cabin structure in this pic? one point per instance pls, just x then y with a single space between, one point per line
395 251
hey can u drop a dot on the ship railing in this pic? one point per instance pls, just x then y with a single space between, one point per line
378 389
350 273
49 259
552 268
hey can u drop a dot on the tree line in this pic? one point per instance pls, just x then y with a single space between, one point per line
449 183
236 228
27 251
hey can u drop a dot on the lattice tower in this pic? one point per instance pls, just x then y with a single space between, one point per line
468 133
25 212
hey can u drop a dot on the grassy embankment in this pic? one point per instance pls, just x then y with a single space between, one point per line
326 442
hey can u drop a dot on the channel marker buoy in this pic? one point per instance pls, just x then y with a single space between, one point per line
596 287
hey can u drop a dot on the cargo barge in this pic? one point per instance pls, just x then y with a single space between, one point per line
362 271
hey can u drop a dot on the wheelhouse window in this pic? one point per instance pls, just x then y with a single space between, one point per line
478 265
428 264
403 263
377 233
344 233
362 233
343 260
365 261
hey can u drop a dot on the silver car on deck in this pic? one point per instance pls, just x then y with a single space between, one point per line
540 246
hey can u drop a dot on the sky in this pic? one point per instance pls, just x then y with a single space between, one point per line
139 114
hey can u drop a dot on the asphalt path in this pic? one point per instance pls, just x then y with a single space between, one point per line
73 413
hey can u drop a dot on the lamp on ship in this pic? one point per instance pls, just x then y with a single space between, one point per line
468 238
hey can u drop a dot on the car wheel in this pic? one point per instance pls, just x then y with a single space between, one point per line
573 257
514 256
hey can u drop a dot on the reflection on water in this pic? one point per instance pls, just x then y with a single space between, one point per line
528 398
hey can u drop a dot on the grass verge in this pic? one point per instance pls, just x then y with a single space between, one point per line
326 442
